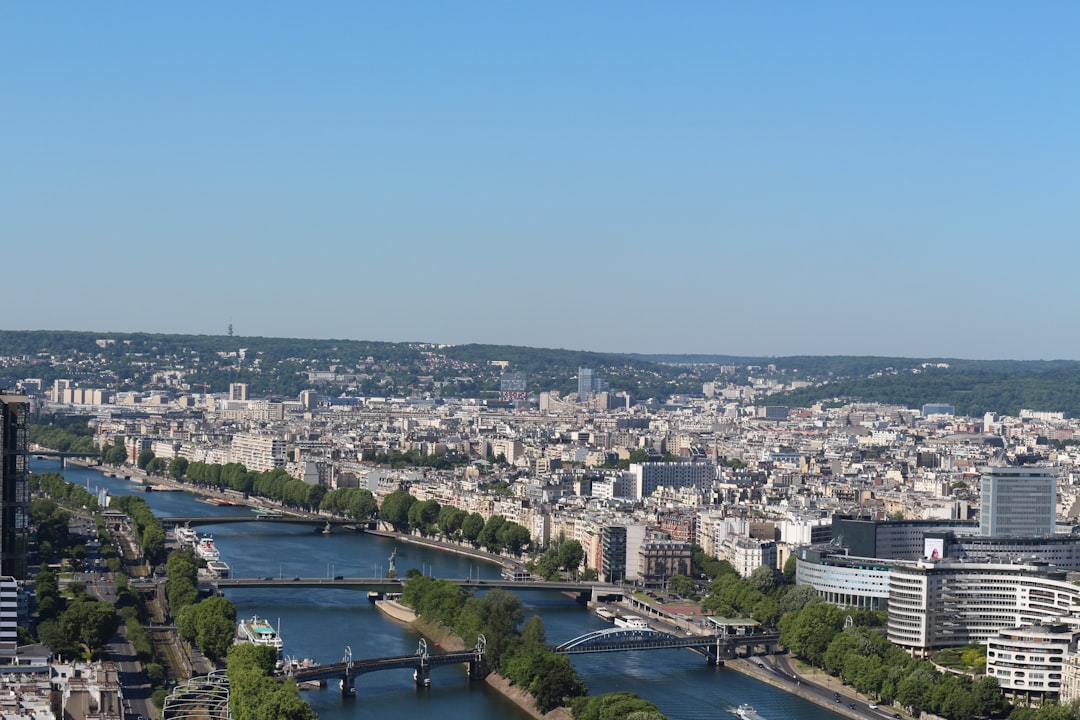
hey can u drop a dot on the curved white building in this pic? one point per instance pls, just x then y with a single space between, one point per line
937 604
1027 661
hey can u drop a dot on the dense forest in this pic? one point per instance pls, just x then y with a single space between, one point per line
972 388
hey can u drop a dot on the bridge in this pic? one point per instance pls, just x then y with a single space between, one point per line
716 648
420 662
63 456
196 521
585 590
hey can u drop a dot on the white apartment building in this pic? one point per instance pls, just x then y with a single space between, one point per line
1028 661
747 554
258 453
650 476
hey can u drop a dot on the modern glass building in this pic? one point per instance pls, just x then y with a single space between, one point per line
1018 501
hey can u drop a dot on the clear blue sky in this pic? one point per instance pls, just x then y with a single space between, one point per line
747 178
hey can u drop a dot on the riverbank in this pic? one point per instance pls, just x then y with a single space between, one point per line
447 640
815 686
142 477
447 547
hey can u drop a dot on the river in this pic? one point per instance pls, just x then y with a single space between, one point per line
320 624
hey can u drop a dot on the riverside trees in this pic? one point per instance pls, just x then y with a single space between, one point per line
524 658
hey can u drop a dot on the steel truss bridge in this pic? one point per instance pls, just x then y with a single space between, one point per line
420 662
715 648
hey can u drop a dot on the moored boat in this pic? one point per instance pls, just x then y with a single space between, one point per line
186 536
257 631
631 622
206 549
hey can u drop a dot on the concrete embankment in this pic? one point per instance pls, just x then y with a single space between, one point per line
449 641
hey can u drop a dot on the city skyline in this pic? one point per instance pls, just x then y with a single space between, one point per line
839 179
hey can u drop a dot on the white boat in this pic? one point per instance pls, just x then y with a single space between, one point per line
631 622
605 614
206 549
747 712
259 632
218 569
186 536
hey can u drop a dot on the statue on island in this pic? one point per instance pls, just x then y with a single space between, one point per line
391 572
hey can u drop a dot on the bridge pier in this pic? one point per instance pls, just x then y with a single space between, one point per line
478 669
421 677
348 688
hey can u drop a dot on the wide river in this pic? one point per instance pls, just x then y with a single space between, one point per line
320 624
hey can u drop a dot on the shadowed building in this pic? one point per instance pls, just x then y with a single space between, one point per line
14 483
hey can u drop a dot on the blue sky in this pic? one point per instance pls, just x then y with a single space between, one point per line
744 178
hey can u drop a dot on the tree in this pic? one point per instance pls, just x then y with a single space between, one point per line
90 622
681 585
489 536
145 456
450 519
471 527
513 537
791 566
424 515
763 579
177 467
571 555
808 632
395 509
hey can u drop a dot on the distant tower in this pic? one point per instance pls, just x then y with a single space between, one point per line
230 327
238 391
588 383
14 483
586 380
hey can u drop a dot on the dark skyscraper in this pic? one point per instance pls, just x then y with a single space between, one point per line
14 483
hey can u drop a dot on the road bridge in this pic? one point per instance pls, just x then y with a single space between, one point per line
63 456
315 522
585 590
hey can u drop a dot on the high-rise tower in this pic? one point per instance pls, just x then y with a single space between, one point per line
14 483
1018 501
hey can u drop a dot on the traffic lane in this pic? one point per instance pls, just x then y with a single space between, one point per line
782 666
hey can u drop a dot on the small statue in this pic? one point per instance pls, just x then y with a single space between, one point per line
392 570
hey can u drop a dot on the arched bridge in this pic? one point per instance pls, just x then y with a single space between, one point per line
421 663
716 648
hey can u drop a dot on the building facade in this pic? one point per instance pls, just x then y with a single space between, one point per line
14 484
938 604
1018 501
1028 661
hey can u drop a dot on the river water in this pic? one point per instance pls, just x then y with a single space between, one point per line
320 624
